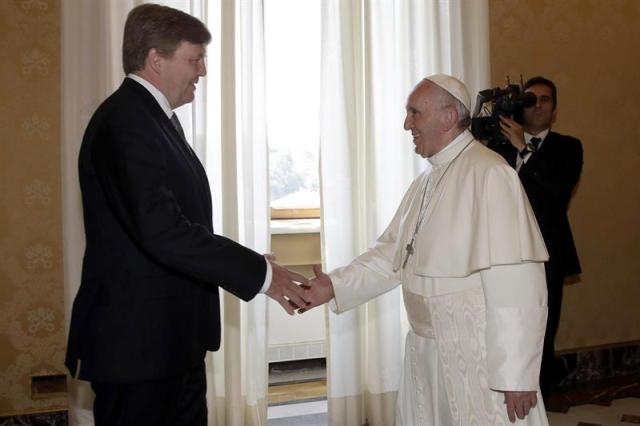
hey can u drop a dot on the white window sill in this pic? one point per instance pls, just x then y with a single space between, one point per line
295 226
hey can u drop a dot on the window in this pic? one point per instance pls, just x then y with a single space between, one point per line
292 62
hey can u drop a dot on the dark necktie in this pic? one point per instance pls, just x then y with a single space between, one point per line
536 143
531 147
176 124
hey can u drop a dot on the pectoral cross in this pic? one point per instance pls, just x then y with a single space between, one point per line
409 249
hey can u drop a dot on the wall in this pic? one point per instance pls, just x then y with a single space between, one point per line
32 340
590 49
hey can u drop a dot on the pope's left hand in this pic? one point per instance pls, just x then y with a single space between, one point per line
519 403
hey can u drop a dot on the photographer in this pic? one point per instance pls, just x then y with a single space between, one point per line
549 165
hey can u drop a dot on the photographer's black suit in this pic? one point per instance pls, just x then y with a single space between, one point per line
148 304
549 178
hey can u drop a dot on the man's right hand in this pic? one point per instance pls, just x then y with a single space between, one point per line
319 291
513 132
284 289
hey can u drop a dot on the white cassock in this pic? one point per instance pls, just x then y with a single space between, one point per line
474 289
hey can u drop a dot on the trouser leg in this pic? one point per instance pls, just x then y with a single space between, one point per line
548 372
174 401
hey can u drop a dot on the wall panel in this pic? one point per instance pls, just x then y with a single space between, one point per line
590 49
32 339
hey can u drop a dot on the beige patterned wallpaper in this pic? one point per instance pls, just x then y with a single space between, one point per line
31 297
590 49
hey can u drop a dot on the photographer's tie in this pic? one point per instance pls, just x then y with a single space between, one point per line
535 143
531 147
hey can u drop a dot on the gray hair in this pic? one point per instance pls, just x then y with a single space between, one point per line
447 100
464 117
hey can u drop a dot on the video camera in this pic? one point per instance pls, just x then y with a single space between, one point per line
493 103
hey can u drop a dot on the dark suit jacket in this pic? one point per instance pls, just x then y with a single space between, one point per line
148 303
549 177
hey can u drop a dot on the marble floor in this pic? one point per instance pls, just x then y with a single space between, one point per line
298 398
302 401
621 412
297 392
312 413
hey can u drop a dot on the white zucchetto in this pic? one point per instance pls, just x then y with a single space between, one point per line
453 86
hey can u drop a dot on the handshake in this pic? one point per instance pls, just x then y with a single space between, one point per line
296 293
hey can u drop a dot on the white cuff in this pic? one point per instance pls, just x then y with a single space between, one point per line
267 278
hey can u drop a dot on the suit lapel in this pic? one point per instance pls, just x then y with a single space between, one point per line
545 143
548 141
189 156
176 143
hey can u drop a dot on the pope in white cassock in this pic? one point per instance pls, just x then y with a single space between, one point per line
466 248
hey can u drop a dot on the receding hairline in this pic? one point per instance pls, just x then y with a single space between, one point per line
438 95
441 99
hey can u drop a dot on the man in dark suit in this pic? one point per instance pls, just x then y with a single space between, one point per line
549 165
148 306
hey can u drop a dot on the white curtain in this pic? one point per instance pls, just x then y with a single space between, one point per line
373 53
226 127
239 369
